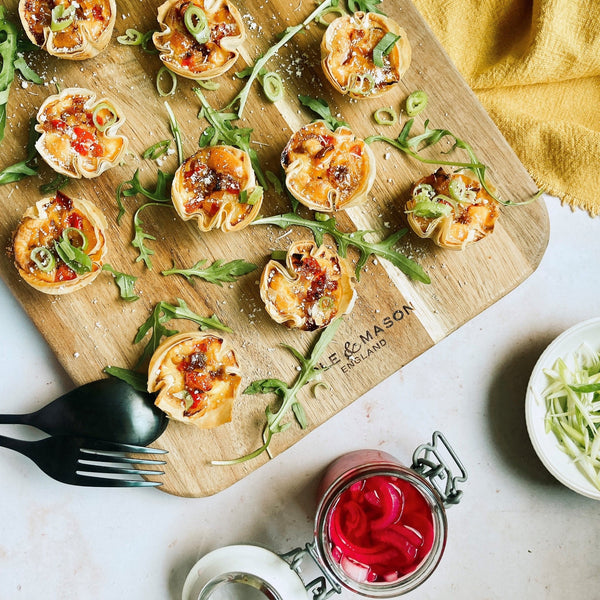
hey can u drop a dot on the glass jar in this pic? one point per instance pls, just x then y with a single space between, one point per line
380 531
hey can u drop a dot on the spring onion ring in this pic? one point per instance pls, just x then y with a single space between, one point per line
356 87
105 123
415 103
430 209
196 23
159 76
62 17
384 47
272 86
157 150
336 10
132 37
66 235
43 258
385 116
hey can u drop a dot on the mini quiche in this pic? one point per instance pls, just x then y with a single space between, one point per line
217 187
316 287
364 54
72 29
328 170
197 379
60 244
199 39
79 133
451 209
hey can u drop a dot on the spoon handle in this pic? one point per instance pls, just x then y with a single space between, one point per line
14 420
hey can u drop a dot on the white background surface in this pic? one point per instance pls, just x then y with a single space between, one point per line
518 533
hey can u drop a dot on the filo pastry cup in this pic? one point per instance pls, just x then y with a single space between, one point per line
79 133
328 170
217 188
315 286
197 378
79 30
38 244
347 54
199 57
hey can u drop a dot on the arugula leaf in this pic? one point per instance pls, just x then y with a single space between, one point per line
176 133
138 381
241 98
365 6
163 312
124 282
26 71
27 167
223 132
412 145
321 108
8 53
288 395
383 249
140 236
157 150
128 189
218 272
58 183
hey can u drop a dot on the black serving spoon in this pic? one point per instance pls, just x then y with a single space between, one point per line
107 409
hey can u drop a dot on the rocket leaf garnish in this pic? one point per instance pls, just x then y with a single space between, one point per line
383 249
217 273
287 394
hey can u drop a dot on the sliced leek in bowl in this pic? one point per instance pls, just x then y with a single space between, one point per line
562 408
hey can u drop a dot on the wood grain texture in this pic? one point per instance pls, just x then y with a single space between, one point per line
394 319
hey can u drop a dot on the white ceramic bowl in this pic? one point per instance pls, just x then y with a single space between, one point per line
546 444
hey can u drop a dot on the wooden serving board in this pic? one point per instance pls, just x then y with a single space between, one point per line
394 319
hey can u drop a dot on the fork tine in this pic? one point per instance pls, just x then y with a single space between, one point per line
98 456
95 468
102 446
91 481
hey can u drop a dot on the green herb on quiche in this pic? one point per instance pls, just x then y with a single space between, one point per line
218 272
124 282
383 249
287 394
413 145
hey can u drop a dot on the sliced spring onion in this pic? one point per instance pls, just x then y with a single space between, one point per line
43 258
176 132
572 399
459 192
429 209
103 123
252 197
272 86
415 103
157 150
196 23
358 85
384 47
325 302
208 85
132 37
68 237
160 76
319 216
423 188
278 254
385 116
147 40
335 10
62 17
73 257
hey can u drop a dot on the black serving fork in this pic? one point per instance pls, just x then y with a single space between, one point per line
88 462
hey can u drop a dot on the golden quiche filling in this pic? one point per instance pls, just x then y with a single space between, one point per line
315 286
199 39
197 377
72 29
60 244
217 187
328 170
453 210
79 133
364 54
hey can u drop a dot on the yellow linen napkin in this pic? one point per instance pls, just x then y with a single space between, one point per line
535 67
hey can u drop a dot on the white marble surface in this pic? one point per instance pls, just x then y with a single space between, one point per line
517 533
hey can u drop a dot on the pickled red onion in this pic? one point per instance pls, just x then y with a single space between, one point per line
391 503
